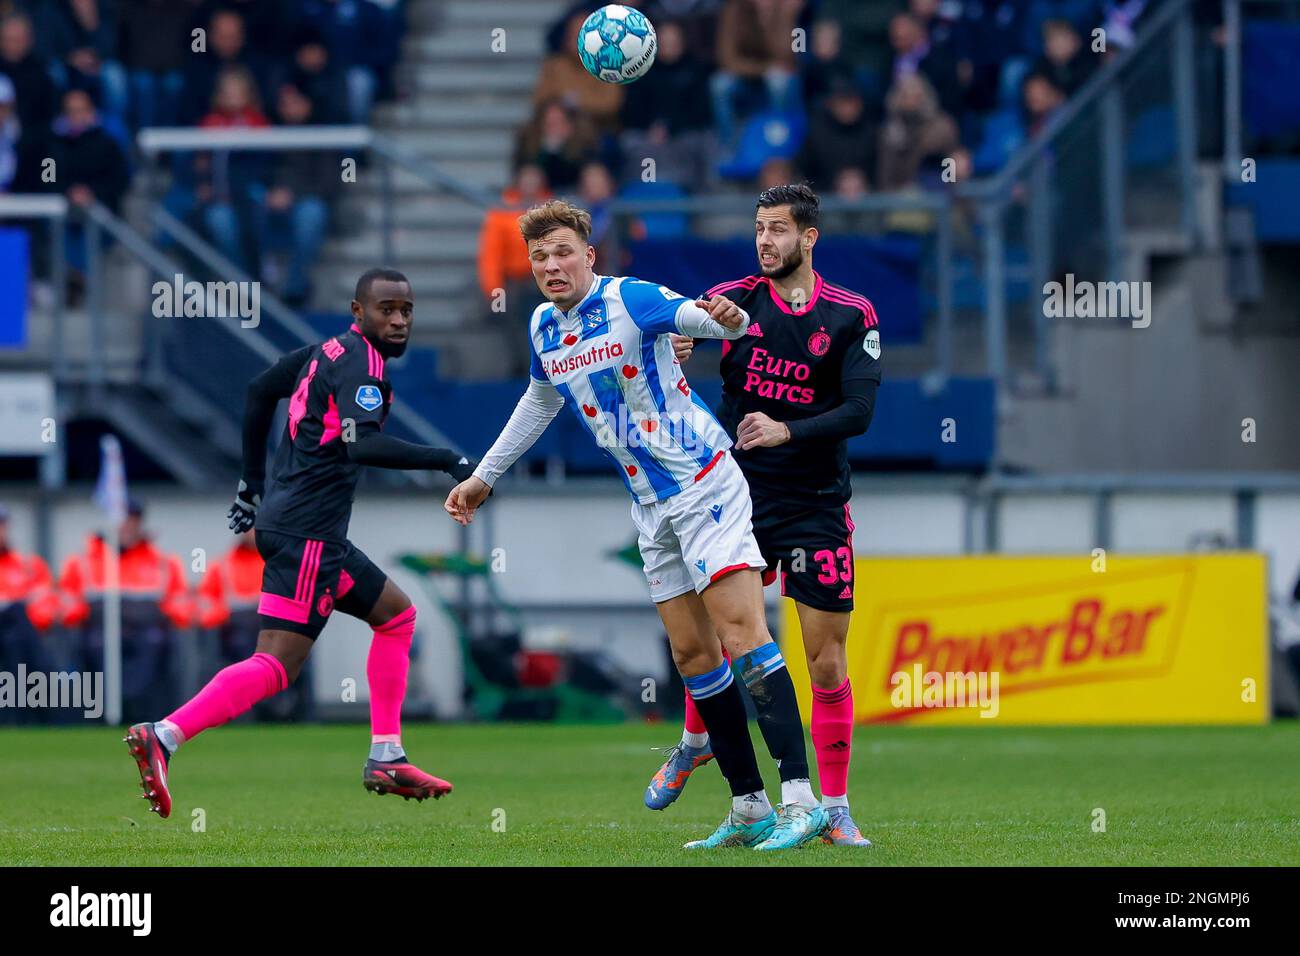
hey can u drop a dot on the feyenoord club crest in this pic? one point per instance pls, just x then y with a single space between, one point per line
819 343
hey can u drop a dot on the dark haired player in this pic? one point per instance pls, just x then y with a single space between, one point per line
339 396
798 385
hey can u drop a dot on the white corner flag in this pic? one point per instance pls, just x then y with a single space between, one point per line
110 495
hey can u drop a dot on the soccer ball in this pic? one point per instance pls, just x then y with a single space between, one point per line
617 44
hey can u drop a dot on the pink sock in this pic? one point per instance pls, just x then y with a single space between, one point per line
231 692
386 669
694 722
832 734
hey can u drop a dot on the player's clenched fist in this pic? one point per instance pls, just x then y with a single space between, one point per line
758 431
683 346
723 311
465 499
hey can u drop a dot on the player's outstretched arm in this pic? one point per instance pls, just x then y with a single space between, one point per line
539 404
372 447
260 399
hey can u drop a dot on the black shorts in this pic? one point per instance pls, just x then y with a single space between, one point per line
812 546
305 580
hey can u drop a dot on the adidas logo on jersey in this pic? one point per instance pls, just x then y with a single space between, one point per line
755 330
847 593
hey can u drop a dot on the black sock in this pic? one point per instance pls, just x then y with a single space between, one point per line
764 672
723 713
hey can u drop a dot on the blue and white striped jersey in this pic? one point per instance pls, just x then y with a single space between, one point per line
611 359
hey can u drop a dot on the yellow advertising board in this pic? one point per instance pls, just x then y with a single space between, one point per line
1164 639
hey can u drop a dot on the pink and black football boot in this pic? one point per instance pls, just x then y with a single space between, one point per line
151 758
404 779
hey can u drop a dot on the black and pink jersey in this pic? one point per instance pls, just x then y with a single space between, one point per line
341 392
794 363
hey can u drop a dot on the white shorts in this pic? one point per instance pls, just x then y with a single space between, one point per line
690 540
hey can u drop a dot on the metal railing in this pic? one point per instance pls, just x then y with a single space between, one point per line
287 325
156 141
1069 181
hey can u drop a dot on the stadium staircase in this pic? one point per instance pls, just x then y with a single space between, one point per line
1223 340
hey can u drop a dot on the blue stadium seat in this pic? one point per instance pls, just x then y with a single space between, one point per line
1003 135
767 135
1152 139
1274 198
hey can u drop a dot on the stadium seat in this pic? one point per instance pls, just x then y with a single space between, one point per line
1003 135
768 135
1152 139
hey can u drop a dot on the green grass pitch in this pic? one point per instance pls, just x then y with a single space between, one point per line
292 795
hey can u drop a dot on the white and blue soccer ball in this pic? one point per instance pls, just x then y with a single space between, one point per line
617 44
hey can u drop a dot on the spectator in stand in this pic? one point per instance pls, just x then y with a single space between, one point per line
840 135
563 77
155 42
81 37
666 119
269 26
596 188
825 61
559 141
865 29
915 127
313 72
294 212
914 54
234 179
155 603
988 36
235 102
1041 98
504 273
226 47
36 94
353 32
91 166
755 57
851 183
1064 61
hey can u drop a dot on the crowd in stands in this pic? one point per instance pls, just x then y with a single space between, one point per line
79 77
863 97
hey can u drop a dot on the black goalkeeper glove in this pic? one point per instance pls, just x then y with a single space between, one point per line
462 469
243 512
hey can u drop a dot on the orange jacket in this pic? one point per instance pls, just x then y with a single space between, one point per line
233 583
145 573
502 254
26 579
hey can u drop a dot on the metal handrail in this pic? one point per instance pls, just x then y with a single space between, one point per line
289 320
